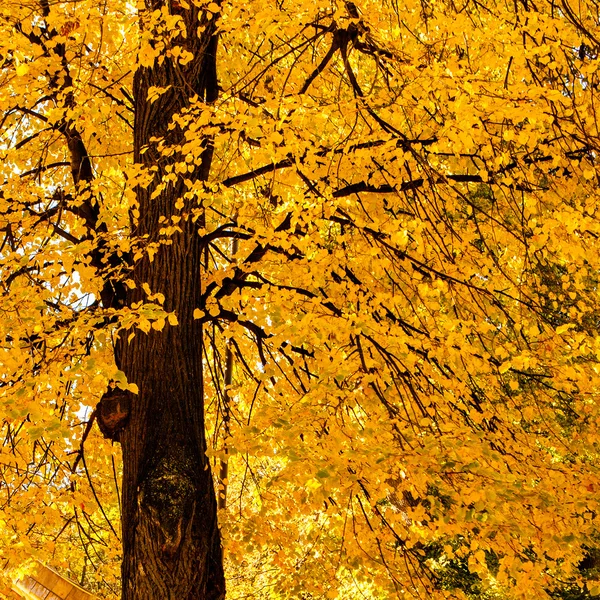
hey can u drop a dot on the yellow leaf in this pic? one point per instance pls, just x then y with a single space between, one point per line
172 319
158 324
505 366
564 328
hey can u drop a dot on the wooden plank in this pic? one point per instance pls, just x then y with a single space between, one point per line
52 581
45 583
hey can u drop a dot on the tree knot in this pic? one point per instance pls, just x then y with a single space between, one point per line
112 413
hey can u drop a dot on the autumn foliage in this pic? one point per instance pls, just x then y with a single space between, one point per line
397 211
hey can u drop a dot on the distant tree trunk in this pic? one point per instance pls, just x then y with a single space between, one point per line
171 542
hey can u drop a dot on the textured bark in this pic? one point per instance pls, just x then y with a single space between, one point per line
171 543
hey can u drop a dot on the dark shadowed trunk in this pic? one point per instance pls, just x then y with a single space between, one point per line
171 540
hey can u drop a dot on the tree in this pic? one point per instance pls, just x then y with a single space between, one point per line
352 245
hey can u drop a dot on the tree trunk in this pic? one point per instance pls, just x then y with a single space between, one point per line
171 542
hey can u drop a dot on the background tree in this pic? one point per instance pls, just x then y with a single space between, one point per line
354 246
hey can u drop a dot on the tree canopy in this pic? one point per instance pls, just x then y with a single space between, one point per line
394 208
